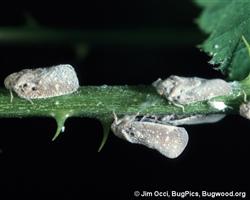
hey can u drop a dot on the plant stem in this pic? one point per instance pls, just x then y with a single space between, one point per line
95 101
101 101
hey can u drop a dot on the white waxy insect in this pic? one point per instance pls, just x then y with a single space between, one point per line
218 105
186 90
168 140
245 110
177 120
43 82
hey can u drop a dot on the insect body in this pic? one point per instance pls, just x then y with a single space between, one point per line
245 110
43 82
185 90
218 105
168 140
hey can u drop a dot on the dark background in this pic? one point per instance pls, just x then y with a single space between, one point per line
216 158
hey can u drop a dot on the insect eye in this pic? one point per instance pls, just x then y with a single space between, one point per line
25 85
34 88
132 134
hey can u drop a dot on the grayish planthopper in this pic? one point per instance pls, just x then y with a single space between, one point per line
169 140
43 82
185 90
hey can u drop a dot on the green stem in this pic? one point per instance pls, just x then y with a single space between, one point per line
101 101
95 101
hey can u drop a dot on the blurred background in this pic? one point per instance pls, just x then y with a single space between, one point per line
113 43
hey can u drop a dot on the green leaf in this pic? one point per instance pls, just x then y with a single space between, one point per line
227 21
